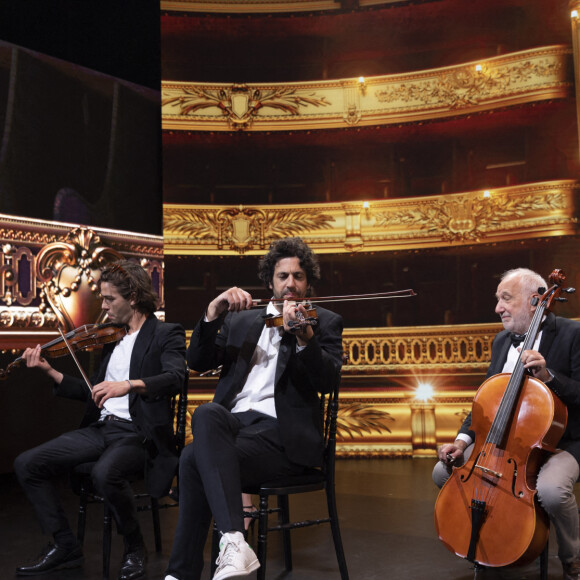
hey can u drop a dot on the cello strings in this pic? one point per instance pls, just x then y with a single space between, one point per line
489 459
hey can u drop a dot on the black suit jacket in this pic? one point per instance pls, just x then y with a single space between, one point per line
158 358
560 346
231 342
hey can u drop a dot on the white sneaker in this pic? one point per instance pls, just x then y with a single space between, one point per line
236 558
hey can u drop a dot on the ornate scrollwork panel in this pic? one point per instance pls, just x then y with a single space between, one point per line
519 78
68 272
477 217
48 273
393 349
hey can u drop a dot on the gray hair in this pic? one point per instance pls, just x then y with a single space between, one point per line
530 281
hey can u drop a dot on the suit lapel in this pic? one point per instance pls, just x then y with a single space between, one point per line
287 345
144 338
548 335
504 347
248 347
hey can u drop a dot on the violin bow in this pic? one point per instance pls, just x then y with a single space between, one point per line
74 356
345 298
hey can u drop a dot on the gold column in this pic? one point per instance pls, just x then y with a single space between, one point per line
575 21
423 429
353 234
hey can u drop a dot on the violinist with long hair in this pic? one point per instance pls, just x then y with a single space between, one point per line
264 421
127 427
554 359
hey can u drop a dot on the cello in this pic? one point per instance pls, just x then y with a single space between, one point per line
488 511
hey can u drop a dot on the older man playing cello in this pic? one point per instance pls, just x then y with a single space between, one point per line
554 359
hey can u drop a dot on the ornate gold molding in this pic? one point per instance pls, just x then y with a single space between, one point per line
48 272
477 217
27 318
35 233
403 350
68 272
262 6
515 79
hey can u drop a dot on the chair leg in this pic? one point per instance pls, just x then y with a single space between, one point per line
284 518
82 519
544 562
215 549
262 536
156 524
334 526
107 536
478 571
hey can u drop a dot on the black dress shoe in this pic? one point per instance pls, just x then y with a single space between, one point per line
133 565
54 557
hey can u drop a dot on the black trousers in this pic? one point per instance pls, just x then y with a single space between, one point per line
118 451
230 451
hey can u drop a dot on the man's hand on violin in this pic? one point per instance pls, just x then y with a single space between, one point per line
34 360
452 453
536 364
295 313
108 390
232 300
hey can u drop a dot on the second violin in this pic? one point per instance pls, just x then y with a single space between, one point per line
84 337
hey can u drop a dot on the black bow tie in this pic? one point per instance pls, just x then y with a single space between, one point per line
517 339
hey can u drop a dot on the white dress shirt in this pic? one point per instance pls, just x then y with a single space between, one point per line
118 370
258 391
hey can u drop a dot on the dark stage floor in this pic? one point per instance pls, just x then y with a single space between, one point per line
386 512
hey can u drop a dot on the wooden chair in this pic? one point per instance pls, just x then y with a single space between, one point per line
313 480
144 501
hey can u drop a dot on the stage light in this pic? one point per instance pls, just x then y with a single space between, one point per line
424 392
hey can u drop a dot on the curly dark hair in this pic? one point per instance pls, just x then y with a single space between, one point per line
132 282
289 248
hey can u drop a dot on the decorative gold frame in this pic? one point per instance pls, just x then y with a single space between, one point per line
44 265
529 76
261 6
522 212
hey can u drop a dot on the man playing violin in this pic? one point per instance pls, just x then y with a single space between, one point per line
555 360
264 421
127 427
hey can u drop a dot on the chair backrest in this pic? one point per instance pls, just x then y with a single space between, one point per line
179 410
329 404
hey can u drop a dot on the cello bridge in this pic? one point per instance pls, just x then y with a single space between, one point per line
489 471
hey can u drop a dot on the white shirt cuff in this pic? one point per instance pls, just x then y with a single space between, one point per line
464 437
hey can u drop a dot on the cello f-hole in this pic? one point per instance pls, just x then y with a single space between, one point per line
519 494
465 479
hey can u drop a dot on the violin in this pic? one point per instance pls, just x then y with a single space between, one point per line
298 325
311 318
81 338
488 511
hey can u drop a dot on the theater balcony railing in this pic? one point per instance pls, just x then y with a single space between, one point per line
520 78
48 274
534 210
404 390
261 7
